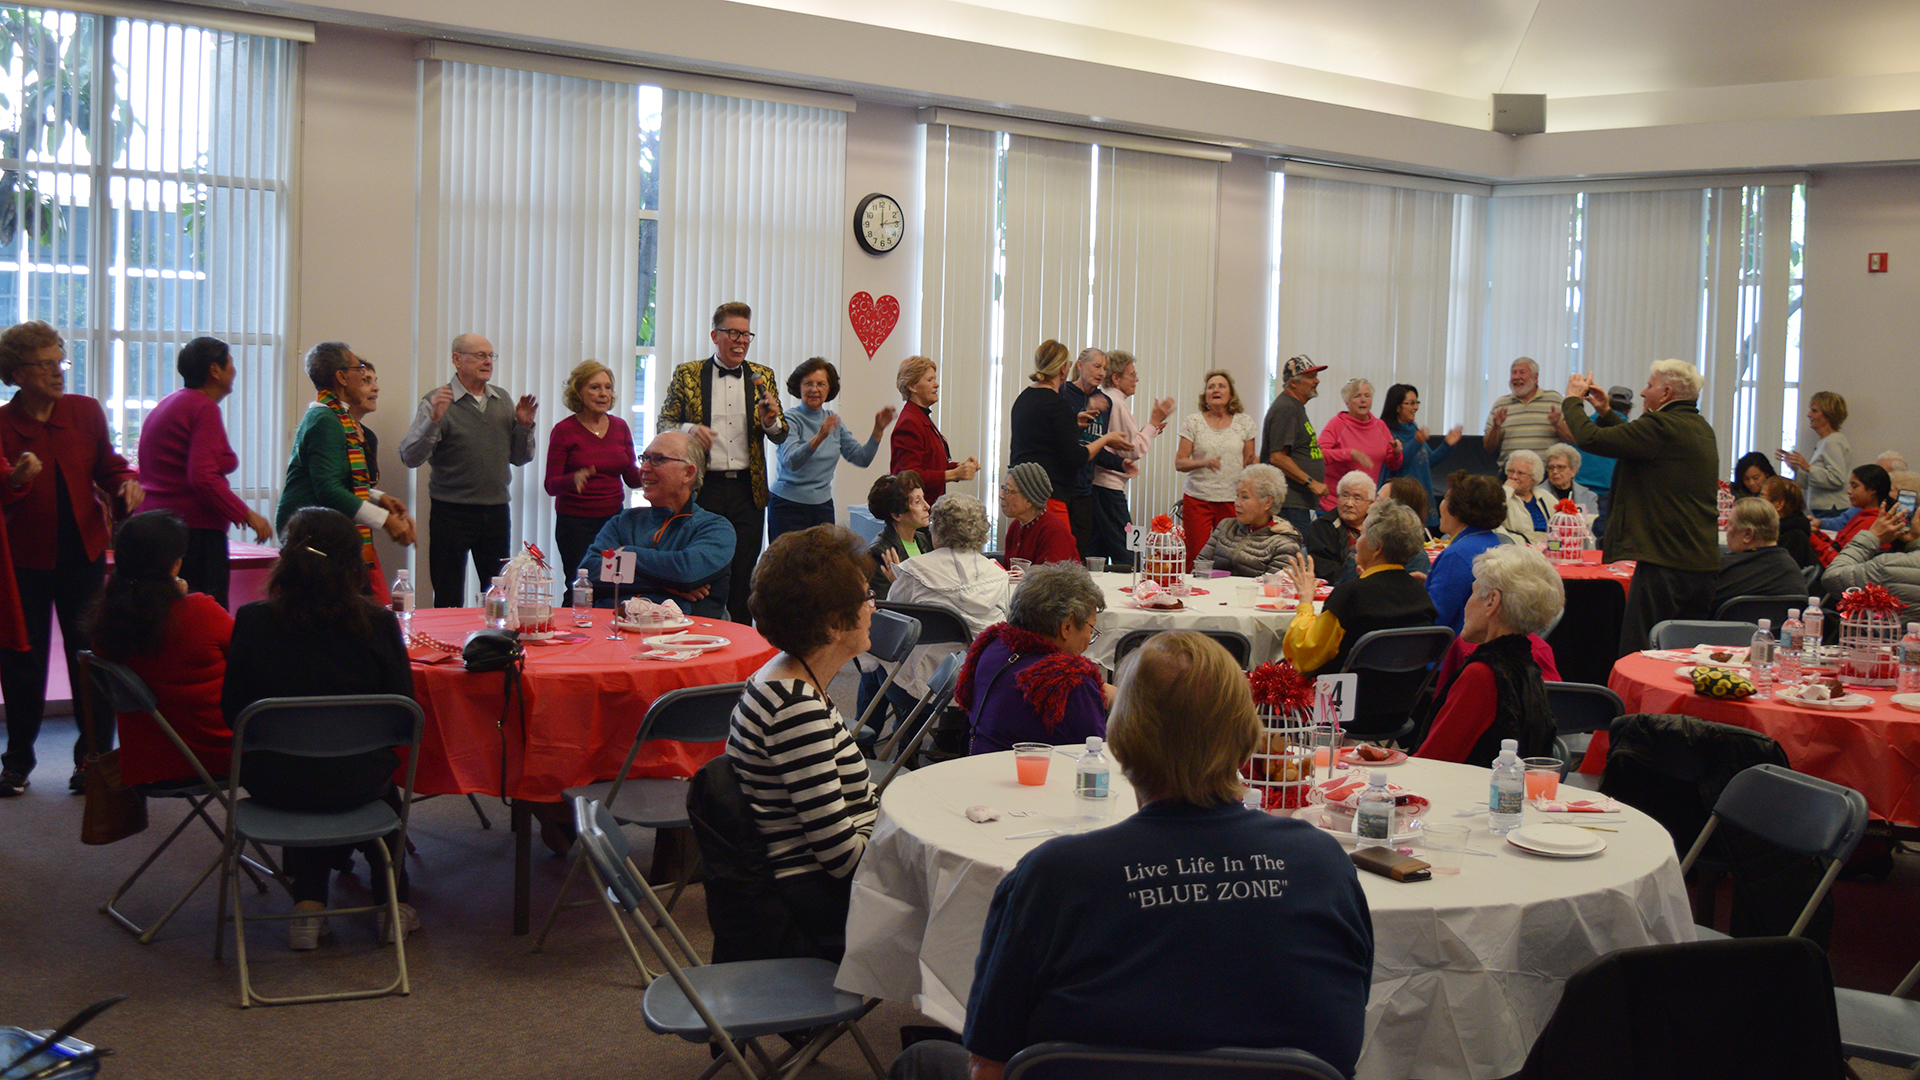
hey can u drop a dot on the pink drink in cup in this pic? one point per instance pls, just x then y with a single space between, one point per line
1030 762
1543 777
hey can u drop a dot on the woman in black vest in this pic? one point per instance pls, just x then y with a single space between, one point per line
1499 693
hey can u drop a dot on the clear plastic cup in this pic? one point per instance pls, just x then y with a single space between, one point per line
1019 567
1096 564
1443 845
1543 777
1030 760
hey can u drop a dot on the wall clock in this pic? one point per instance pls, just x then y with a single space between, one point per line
878 223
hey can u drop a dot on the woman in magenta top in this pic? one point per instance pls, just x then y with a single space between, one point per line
1356 440
185 460
589 455
916 443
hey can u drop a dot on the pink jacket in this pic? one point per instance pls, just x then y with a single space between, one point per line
1341 436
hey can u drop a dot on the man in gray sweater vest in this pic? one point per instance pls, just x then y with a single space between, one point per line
471 431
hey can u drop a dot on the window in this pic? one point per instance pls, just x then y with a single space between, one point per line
143 202
647 339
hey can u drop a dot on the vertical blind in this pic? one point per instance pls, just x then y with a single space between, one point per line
530 238
1642 296
958 288
145 204
1530 297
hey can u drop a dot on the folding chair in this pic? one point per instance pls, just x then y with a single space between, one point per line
1686 633
1236 643
695 714
1754 608
126 693
1413 653
890 637
1802 814
320 727
912 731
1881 1028
1580 709
1078 1061
730 1005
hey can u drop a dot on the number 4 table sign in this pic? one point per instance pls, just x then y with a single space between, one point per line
1333 699
616 568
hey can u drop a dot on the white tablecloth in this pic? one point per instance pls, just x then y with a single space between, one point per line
1467 968
1228 605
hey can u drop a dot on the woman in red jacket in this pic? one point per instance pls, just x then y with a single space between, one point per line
176 641
916 443
1870 490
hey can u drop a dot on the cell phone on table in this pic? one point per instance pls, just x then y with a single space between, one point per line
1907 500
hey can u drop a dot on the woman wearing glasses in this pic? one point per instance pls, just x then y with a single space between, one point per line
57 531
1025 679
589 458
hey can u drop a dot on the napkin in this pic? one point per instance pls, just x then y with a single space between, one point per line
1576 806
669 654
980 815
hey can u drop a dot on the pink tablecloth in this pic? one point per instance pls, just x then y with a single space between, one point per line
1875 751
584 704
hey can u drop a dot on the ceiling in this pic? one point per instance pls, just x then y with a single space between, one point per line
1601 63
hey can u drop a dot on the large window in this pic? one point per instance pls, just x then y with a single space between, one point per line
143 202
647 339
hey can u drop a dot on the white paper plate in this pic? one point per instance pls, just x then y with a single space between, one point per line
1843 703
1909 702
688 642
1320 818
642 628
1554 842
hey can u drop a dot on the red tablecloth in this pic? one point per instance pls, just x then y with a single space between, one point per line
1592 569
1875 751
584 704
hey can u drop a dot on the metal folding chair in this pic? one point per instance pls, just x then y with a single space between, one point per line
1236 643
730 1005
1078 1061
1403 650
695 714
320 727
1686 633
1882 1028
890 637
1579 710
1800 813
912 731
1754 608
125 693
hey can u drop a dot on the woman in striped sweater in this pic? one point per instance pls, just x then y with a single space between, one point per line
804 778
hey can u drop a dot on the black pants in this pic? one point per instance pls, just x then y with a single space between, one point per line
785 516
460 529
327 786
204 566
1110 520
1657 593
572 537
1083 519
732 498
67 590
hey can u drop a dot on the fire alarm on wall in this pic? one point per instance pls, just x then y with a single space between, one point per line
1877 262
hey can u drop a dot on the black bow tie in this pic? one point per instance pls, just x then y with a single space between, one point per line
731 373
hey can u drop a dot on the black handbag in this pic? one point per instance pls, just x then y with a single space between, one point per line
492 650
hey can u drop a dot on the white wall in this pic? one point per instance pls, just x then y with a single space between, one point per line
1858 334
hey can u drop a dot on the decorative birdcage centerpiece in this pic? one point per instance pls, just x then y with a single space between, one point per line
1869 636
529 585
1162 552
1567 534
1725 499
1282 766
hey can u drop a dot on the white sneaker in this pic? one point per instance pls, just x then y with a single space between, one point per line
409 922
304 934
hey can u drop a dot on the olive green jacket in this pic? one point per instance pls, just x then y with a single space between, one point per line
1665 486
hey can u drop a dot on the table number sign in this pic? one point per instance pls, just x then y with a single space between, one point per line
616 566
1333 698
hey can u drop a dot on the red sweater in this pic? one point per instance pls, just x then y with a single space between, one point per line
572 447
185 459
185 676
1825 549
1046 539
916 444
74 438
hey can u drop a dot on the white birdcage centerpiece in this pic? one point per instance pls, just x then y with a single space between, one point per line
1282 766
1161 551
529 585
1567 534
1725 500
1869 636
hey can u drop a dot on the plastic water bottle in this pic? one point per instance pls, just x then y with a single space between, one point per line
1786 653
1909 654
1816 624
402 595
582 600
1091 776
1507 791
1373 820
494 607
1760 660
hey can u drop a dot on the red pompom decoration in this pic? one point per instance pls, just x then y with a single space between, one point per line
1567 506
1870 599
1281 686
1162 524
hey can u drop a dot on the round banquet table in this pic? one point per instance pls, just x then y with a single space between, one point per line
1467 968
1875 751
584 703
1223 608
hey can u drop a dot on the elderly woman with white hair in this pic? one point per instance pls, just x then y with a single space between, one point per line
1356 440
1563 465
1528 506
1332 537
1499 693
1026 680
955 574
1256 540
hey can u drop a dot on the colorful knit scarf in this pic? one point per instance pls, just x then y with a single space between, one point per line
356 463
1046 685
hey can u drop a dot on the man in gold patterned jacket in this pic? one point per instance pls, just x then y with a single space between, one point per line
728 405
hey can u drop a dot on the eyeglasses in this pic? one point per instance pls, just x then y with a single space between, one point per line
657 460
1093 634
482 355
362 366
50 365
737 335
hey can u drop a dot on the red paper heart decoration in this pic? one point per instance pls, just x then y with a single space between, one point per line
872 320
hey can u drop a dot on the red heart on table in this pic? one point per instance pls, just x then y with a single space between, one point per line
872 320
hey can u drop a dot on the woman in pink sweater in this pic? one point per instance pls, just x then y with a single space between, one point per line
589 456
1356 440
